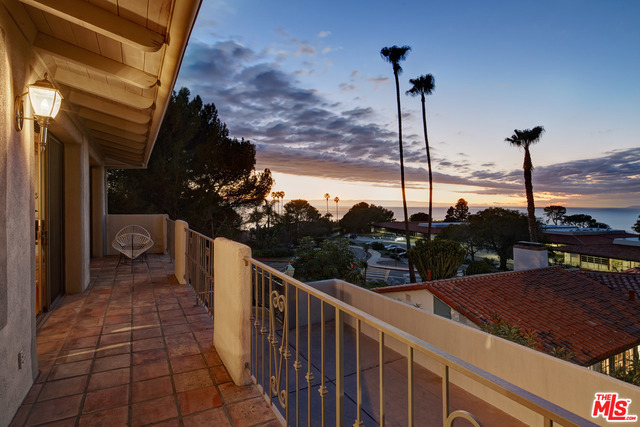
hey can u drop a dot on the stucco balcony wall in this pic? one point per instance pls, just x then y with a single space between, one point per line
563 383
155 224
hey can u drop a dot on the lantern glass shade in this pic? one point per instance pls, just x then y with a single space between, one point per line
45 99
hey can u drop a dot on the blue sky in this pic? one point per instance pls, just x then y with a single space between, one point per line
305 82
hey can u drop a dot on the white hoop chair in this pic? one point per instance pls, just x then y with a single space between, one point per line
132 241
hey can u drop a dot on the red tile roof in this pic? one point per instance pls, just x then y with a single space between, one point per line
620 282
564 308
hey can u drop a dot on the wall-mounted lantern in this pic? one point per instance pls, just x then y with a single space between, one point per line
45 100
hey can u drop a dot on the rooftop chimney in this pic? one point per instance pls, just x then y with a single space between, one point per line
529 255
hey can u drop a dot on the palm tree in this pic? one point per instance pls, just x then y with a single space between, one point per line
327 197
281 194
425 85
268 211
275 196
394 55
336 199
523 139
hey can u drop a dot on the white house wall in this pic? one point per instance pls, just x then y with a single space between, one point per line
17 240
19 66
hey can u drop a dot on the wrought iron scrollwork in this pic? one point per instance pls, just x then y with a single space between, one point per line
282 354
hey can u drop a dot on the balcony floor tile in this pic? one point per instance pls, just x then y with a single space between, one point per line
134 349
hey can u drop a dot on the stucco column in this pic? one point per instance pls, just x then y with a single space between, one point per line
180 263
232 307
98 210
76 226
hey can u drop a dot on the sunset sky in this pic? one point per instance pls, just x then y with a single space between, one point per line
304 81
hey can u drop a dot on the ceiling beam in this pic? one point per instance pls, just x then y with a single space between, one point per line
117 147
101 127
102 89
122 154
117 139
70 52
113 121
125 160
101 21
109 108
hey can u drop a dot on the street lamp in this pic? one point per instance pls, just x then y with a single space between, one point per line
45 100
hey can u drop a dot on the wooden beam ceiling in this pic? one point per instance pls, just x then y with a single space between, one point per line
117 139
101 21
125 125
98 104
117 147
86 58
102 89
115 131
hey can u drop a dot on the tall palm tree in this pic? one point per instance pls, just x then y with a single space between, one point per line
275 196
523 139
281 194
425 85
336 199
394 55
327 197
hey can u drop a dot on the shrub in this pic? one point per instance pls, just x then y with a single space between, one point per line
442 257
479 267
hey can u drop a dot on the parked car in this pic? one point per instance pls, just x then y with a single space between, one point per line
353 236
396 249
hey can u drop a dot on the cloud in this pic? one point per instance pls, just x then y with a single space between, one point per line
298 131
323 34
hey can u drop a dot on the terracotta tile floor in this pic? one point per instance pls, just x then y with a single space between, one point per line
134 349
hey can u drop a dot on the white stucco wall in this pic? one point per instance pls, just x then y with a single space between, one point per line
19 66
232 307
154 224
17 260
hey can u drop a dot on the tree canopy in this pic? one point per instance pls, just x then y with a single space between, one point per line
332 260
459 213
361 215
498 230
419 216
636 226
461 233
196 172
302 219
555 213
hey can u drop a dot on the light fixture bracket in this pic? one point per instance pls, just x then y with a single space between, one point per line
18 107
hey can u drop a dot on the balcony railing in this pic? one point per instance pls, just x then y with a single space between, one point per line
327 358
199 271
282 362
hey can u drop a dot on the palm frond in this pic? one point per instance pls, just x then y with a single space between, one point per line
394 55
423 85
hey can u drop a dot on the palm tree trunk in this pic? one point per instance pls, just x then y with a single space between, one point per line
412 273
528 185
426 141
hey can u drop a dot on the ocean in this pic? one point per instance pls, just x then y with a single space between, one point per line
616 218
